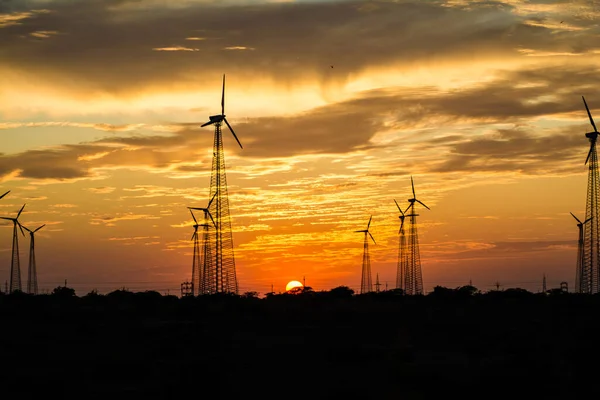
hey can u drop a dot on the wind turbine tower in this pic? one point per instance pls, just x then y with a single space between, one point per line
15 266
402 253
590 271
32 284
196 260
202 268
579 264
366 284
223 276
413 277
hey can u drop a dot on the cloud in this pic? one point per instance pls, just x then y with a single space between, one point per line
310 37
102 190
174 48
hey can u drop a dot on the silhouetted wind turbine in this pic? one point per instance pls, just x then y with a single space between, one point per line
590 270
365 281
223 275
203 260
32 285
579 264
195 261
15 267
402 253
413 278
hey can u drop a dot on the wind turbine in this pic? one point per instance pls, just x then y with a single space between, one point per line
590 271
32 285
579 264
203 260
195 261
223 275
15 267
365 281
413 278
402 253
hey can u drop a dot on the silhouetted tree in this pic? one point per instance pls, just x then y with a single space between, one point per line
341 292
63 291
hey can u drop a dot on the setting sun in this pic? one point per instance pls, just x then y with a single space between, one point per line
291 285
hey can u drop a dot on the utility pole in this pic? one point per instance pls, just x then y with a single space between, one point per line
377 284
544 284
497 285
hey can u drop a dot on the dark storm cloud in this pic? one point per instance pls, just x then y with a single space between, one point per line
100 47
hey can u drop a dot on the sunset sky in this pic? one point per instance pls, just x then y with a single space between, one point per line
337 104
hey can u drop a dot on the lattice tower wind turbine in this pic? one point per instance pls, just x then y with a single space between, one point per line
204 260
590 272
15 265
366 284
225 279
579 263
413 277
32 283
196 258
402 253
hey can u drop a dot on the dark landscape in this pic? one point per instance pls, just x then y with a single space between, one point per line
333 344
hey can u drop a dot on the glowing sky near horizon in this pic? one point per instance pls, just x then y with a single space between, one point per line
101 103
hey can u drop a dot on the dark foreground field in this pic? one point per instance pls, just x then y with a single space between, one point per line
510 344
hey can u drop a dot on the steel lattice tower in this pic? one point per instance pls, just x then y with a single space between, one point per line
413 277
579 264
206 262
402 259
195 259
32 284
15 264
590 271
366 284
203 259
222 277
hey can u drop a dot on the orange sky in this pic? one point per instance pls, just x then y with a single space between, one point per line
101 102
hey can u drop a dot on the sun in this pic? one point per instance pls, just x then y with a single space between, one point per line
291 285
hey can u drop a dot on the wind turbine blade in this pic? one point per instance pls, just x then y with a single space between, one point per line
363 231
423 204
21 210
20 227
10 219
412 183
371 237
39 228
234 135
5 194
207 123
211 218
401 226
211 200
408 208
399 209
576 218
194 234
587 220
223 97
588 156
369 224
26 228
589 114
193 216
